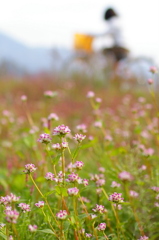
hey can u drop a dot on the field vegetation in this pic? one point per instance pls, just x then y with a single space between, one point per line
79 159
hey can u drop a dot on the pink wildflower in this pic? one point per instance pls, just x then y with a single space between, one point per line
150 81
61 130
73 177
49 176
99 208
88 235
9 199
24 98
29 168
82 128
32 228
155 189
153 69
101 227
53 116
39 204
143 238
62 215
72 191
50 94
79 137
12 216
125 176
115 184
116 198
44 138
90 94
133 194
78 165
60 146
25 207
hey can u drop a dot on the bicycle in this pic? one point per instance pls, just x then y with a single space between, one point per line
102 65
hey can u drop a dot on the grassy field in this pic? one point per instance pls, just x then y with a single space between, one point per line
79 160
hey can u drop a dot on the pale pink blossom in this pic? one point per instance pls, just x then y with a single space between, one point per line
62 215
153 69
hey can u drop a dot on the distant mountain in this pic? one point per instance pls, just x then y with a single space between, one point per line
29 59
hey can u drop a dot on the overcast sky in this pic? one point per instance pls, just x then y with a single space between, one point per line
53 22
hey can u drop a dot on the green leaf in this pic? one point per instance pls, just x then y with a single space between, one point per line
40 179
49 231
56 159
3 183
90 144
75 153
3 236
49 193
61 191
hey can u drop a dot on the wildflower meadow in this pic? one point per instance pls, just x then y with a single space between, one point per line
79 160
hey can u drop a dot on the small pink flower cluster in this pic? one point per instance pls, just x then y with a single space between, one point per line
44 138
11 215
98 124
29 168
53 116
150 81
25 207
98 179
117 206
133 194
2 225
62 215
116 198
32 228
115 184
84 199
50 176
60 146
9 199
73 177
88 235
79 137
78 165
50 94
24 98
101 227
148 152
153 69
39 204
72 191
90 94
155 189
82 128
100 209
98 100
108 138
125 176
143 238
61 130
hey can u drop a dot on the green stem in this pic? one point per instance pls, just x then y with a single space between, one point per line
48 153
49 223
105 236
44 199
15 231
63 166
94 231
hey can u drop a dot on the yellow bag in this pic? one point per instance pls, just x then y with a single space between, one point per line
83 42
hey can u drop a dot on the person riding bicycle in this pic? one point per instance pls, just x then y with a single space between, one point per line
117 47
